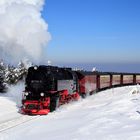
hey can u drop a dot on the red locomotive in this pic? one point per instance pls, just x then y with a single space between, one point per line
48 87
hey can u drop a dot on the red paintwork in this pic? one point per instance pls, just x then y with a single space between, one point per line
42 107
35 112
65 97
88 84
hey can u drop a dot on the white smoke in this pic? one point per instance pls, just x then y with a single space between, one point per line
23 32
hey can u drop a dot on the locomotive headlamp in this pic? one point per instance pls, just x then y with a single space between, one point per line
26 93
42 94
35 68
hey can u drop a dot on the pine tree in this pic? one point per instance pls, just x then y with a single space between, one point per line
2 76
14 74
11 75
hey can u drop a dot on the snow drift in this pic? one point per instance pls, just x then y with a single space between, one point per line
109 115
23 32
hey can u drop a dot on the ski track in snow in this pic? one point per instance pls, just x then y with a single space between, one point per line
112 114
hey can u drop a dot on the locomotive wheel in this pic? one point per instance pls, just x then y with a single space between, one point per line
54 102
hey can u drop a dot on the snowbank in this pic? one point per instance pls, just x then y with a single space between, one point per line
109 115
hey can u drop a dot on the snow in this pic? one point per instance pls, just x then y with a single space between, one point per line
112 114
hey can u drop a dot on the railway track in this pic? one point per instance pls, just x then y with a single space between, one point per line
16 122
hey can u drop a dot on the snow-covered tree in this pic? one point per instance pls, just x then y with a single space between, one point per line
11 75
14 74
2 76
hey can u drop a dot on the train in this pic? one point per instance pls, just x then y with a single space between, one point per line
48 87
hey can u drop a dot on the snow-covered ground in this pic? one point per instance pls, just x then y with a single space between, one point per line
109 115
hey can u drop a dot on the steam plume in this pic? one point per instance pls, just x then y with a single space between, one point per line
23 32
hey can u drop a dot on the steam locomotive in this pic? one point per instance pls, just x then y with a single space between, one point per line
48 87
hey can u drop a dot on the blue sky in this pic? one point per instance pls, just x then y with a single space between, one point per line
93 31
